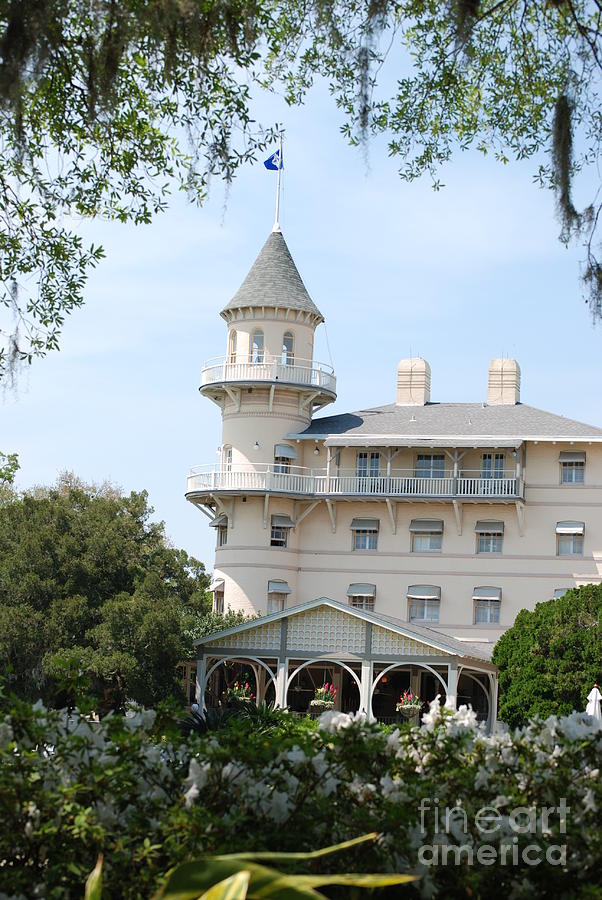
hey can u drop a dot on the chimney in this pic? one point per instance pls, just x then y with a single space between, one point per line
503 388
413 382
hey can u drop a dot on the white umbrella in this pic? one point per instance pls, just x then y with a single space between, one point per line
593 703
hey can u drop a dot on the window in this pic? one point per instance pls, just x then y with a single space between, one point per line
487 601
282 465
569 545
288 345
429 465
422 610
560 592
572 468
492 465
360 602
490 535
227 459
487 612
489 543
220 523
368 464
281 525
424 601
257 346
278 591
365 534
276 602
361 596
426 542
569 538
283 454
426 535
218 602
232 347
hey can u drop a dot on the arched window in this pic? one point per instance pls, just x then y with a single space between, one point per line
257 346
232 347
226 458
288 349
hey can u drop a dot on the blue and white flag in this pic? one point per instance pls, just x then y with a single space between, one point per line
274 161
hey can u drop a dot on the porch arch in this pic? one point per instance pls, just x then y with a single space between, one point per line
404 665
224 659
322 659
463 671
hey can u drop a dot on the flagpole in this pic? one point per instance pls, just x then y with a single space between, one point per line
277 220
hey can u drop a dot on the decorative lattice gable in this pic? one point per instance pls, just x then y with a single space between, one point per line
259 637
386 642
326 630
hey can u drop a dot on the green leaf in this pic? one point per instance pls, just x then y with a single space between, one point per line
186 881
313 854
233 888
94 882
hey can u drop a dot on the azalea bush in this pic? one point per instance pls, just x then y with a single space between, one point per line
148 798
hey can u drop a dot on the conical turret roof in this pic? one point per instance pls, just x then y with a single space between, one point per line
273 281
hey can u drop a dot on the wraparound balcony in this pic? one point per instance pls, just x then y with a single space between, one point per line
269 369
297 481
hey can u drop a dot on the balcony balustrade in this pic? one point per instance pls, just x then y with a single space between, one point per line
280 479
304 372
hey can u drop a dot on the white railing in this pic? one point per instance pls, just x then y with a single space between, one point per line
270 368
400 483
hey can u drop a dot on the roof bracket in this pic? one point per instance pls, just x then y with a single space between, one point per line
306 511
458 514
332 512
234 394
392 508
520 516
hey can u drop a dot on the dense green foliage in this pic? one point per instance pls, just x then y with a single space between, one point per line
550 659
89 586
104 106
147 798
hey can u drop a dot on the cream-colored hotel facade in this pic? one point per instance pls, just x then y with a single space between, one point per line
442 519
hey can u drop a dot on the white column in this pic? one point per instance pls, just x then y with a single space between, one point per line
260 674
201 682
493 695
281 677
366 686
452 684
337 679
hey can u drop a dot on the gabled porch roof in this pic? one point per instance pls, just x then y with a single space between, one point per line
307 622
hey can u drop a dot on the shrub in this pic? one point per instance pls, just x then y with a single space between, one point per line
551 657
149 798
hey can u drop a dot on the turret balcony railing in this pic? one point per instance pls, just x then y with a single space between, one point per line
305 372
467 485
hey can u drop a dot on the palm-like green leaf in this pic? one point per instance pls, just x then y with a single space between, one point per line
94 882
312 854
233 888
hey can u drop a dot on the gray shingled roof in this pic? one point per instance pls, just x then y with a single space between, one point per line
445 419
274 281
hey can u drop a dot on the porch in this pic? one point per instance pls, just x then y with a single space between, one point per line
370 659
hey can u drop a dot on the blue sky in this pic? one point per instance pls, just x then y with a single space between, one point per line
458 276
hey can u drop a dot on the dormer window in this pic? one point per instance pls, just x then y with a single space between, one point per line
257 346
572 468
288 349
